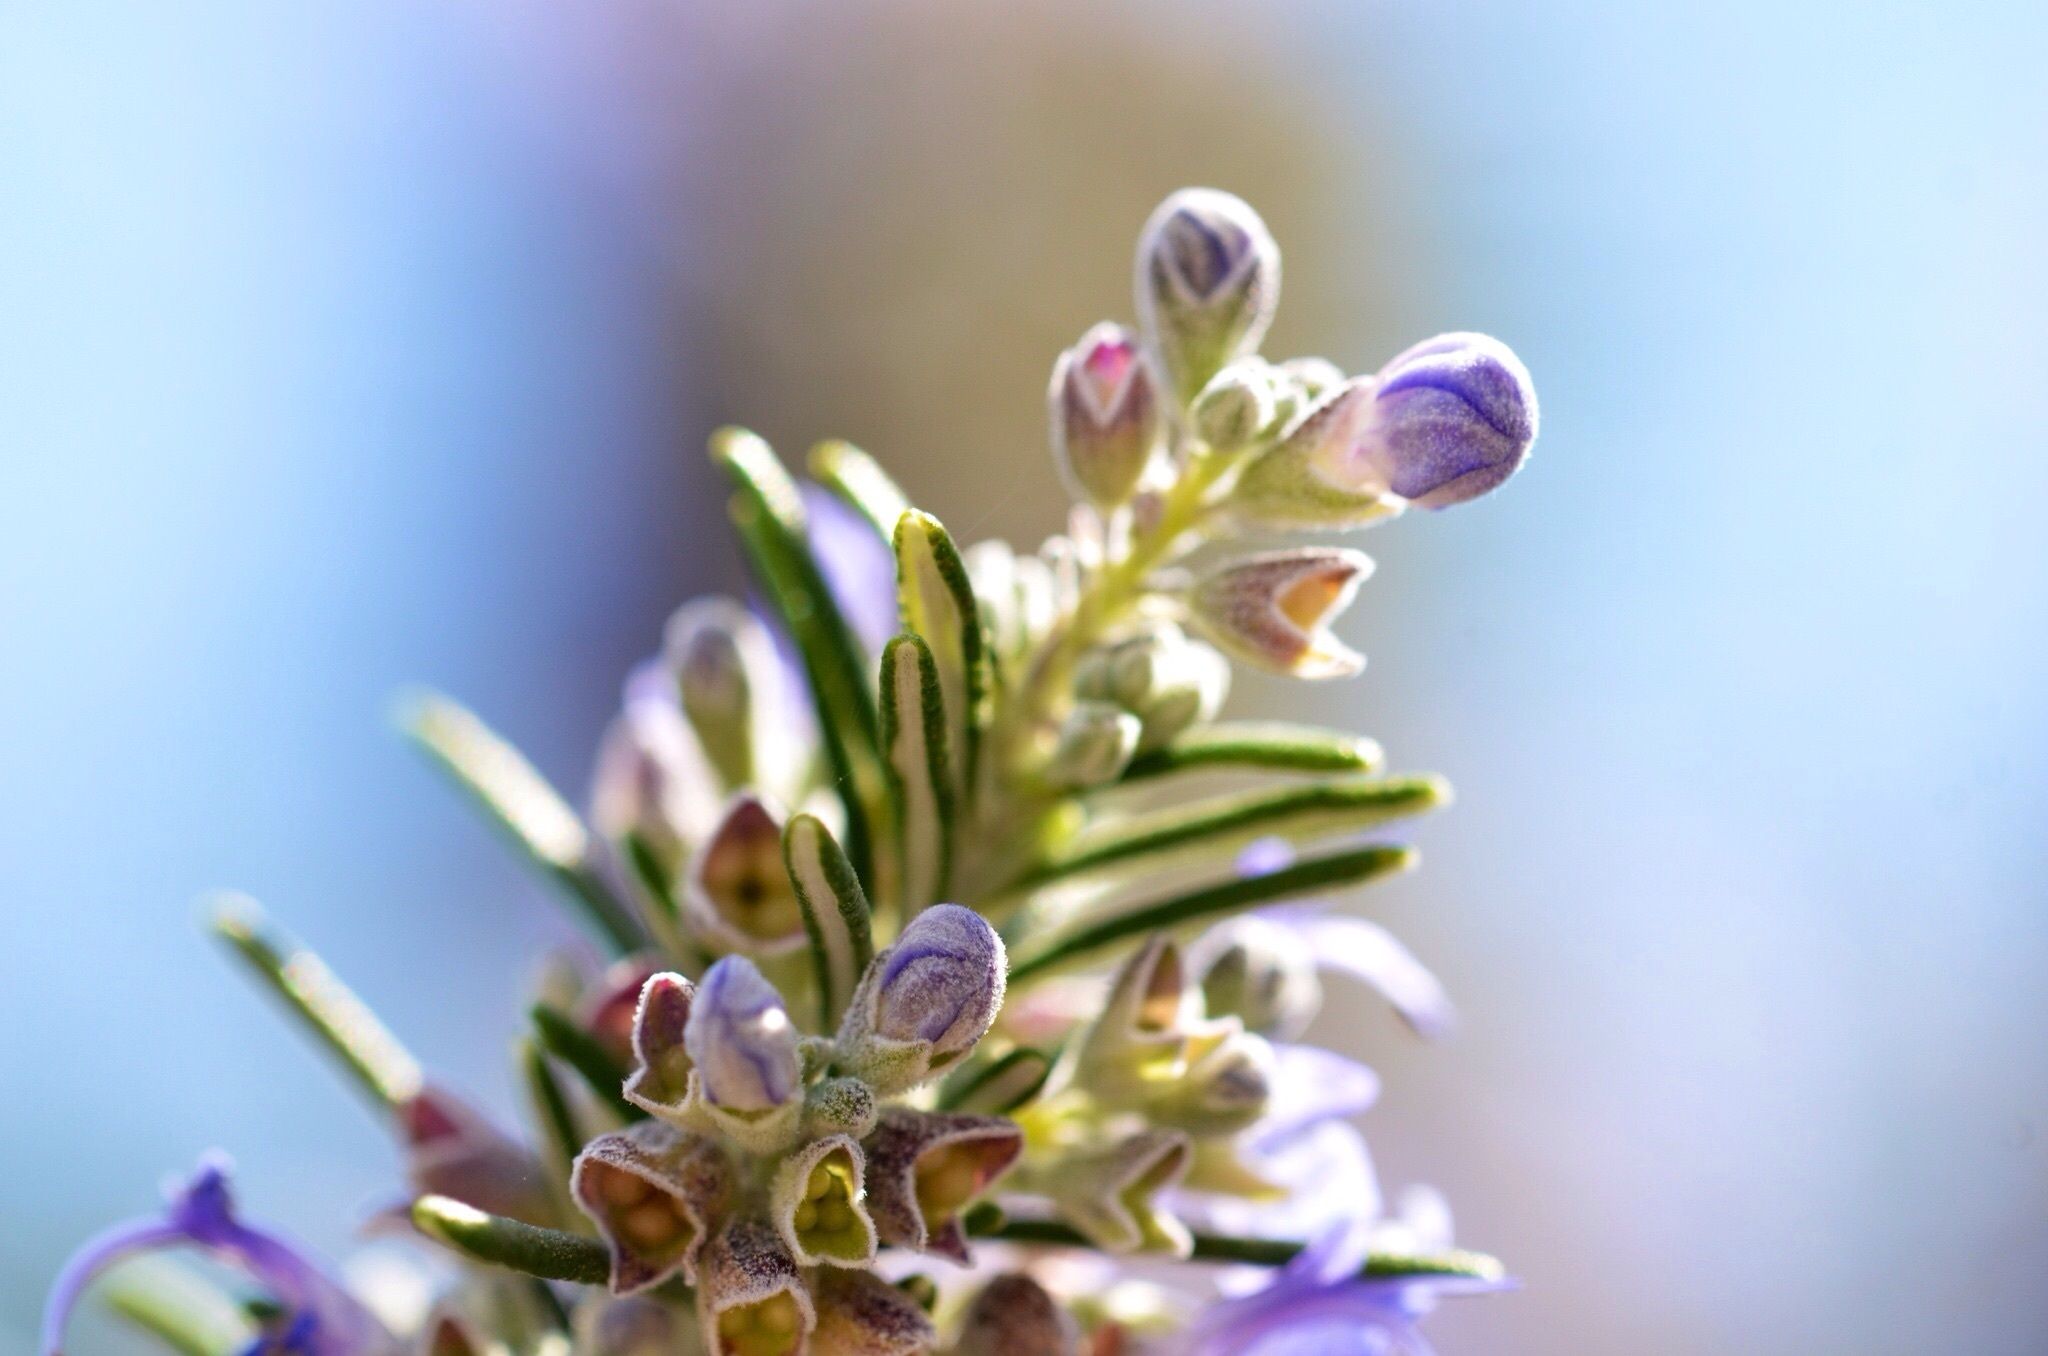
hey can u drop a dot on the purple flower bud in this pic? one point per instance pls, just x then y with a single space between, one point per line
741 1040
1208 279
1442 423
1456 417
943 981
1275 609
1105 415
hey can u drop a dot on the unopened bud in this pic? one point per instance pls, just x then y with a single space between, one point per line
924 1002
1105 415
860 1314
1274 609
1014 1316
1444 422
1237 407
723 663
1096 740
1208 280
1454 416
741 1039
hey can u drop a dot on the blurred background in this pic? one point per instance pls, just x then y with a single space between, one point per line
343 346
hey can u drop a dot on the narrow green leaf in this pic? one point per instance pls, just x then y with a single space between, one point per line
914 733
549 1254
560 1137
861 483
1221 825
1263 1252
1263 745
998 1086
835 913
769 517
1196 907
520 801
184 1310
938 605
578 1049
339 1020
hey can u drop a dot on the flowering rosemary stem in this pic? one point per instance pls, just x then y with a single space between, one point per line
1107 597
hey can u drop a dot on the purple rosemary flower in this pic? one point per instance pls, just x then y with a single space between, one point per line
1319 1305
316 1317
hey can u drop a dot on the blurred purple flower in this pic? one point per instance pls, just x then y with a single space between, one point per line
316 1318
1319 1305
858 567
1353 946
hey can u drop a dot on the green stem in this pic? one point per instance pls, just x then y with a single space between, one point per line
1264 1252
1105 599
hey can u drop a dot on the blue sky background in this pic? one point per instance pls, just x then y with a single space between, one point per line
343 347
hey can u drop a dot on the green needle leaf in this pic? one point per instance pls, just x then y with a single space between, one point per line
560 1137
1221 825
520 801
1335 871
179 1307
938 605
578 1049
859 480
914 733
835 913
549 1254
1263 745
769 516
1264 1252
339 1020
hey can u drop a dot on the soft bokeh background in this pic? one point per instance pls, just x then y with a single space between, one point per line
348 345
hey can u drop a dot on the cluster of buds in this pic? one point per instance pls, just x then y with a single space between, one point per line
772 1159
944 912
